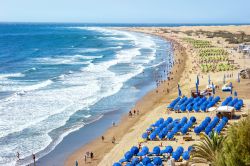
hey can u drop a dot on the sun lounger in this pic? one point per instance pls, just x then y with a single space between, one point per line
187 138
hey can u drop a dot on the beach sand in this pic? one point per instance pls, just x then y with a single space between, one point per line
153 105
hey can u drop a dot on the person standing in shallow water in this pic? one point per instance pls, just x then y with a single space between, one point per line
34 158
18 155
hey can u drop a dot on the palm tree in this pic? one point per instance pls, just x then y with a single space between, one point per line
237 145
208 150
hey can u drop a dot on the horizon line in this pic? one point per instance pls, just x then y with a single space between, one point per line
59 22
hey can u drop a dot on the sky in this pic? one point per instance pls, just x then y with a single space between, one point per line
126 11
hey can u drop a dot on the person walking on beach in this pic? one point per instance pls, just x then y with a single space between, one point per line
18 155
85 158
91 155
113 140
34 158
130 114
134 111
102 138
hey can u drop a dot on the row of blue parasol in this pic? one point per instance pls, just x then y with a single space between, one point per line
196 104
168 128
131 157
233 102
208 126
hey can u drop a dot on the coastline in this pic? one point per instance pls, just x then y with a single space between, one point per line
130 134
147 103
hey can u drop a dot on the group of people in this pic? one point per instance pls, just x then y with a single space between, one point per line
133 113
33 157
113 139
88 155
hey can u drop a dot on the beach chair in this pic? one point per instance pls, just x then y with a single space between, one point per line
187 138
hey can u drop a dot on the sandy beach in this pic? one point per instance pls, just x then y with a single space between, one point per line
153 105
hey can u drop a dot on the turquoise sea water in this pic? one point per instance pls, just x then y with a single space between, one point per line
57 78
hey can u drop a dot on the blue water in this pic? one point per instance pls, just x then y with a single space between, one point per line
56 78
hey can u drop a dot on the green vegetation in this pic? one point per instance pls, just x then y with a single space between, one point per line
237 146
211 58
207 67
198 43
230 150
232 38
208 150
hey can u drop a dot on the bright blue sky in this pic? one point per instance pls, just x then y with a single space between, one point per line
126 11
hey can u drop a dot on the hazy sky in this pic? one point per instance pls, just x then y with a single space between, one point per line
126 11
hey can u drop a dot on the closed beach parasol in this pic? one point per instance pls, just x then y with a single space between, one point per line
224 79
179 90
197 80
213 88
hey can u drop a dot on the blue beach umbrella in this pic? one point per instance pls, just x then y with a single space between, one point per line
128 155
145 149
186 155
180 149
179 90
190 148
139 164
176 155
142 153
169 149
134 150
156 150
193 119
150 164
152 136
117 164
145 135
146 160
122 160
135 161
170 135
197 129
157 161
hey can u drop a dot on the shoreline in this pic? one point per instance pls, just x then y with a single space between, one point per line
142 84
130 131
145 104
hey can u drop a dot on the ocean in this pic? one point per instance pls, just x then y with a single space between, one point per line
58 78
